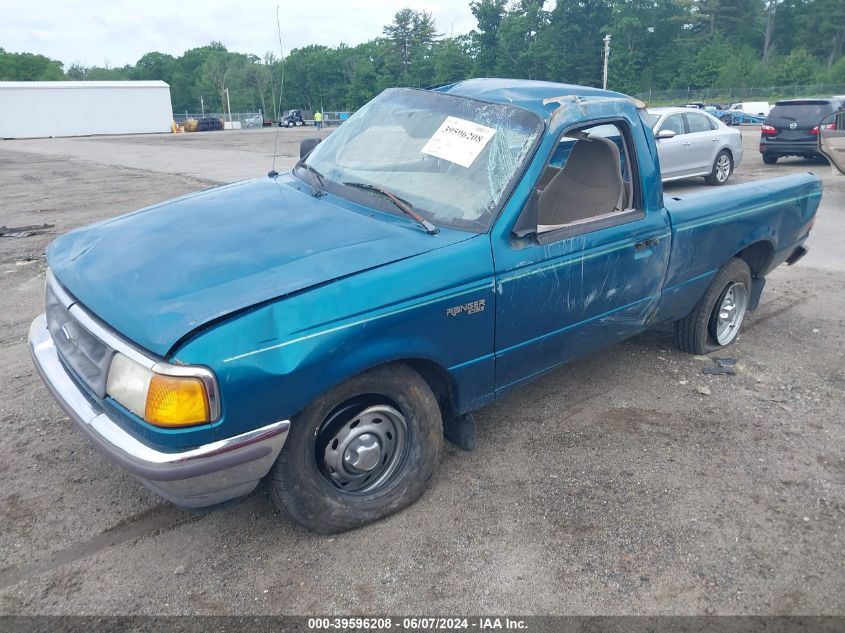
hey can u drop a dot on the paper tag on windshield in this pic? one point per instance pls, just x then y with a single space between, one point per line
458 141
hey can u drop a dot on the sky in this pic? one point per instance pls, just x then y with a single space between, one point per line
114 33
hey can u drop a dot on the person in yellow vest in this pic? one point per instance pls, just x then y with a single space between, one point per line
318 120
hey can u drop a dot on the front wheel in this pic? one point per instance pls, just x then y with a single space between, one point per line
715 320
723 167
360 452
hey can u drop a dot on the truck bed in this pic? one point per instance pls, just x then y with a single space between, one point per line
710 227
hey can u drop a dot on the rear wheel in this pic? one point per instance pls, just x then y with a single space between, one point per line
770 159
360 452
715 320
723 167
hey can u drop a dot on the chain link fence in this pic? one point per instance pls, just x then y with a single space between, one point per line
725 96
243 120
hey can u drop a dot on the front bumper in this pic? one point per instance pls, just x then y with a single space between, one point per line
197 478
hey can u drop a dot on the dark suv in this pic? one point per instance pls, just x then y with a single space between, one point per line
792 127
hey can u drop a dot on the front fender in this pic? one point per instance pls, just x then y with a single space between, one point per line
273 360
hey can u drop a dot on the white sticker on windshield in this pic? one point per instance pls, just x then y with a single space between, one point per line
458 141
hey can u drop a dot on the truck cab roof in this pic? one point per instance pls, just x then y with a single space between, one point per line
523 93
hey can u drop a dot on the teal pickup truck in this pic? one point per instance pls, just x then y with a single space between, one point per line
323 328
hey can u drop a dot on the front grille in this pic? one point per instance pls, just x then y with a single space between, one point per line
82 352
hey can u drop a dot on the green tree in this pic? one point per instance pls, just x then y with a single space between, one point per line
412 35
29 67
489 14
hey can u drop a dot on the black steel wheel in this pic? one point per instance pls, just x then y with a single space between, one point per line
360 452
360 445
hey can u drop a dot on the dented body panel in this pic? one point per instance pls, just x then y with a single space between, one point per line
284 295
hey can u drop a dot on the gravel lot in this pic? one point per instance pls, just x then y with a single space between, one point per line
613 485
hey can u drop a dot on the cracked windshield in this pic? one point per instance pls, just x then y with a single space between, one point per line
451 158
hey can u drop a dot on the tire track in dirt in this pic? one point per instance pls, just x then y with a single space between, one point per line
159 519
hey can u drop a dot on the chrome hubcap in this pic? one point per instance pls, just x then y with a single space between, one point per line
723 168
359 450
731 312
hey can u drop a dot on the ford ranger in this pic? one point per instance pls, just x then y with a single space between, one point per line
322 328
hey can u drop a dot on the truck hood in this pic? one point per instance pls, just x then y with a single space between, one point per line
157 274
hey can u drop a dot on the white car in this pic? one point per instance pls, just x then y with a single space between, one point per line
254 121
758 108
693 143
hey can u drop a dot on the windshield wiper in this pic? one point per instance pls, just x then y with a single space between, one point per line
316 190
403 205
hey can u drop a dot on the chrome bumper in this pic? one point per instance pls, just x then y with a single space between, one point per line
197 478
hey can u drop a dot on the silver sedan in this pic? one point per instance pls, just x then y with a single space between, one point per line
692 143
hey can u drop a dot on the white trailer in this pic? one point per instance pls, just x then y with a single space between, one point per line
31 109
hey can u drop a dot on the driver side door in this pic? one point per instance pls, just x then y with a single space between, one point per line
581 286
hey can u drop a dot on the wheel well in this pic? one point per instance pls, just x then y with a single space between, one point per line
757 256
439 380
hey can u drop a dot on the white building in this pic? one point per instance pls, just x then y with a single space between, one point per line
79 108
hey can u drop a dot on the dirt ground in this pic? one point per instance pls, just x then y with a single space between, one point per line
610 486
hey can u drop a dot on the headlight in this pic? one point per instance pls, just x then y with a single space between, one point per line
160 399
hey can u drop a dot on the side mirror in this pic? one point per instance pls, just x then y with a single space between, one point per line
832 140
666 134
307 145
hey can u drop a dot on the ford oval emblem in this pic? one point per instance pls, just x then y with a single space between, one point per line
793 125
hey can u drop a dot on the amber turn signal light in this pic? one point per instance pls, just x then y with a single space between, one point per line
176 401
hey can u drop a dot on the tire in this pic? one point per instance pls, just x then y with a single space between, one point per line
723 167
698 332
726 119
770 159
307 479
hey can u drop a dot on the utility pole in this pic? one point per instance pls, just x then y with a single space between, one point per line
606 57
202 106
228 105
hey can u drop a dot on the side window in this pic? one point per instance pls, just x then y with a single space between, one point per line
697 123
591 178
675 123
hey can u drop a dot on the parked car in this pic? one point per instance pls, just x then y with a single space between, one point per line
209 124
292 119
323 328
792 127
254 121
694 143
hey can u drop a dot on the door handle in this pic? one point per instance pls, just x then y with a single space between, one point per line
685 144
715 140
